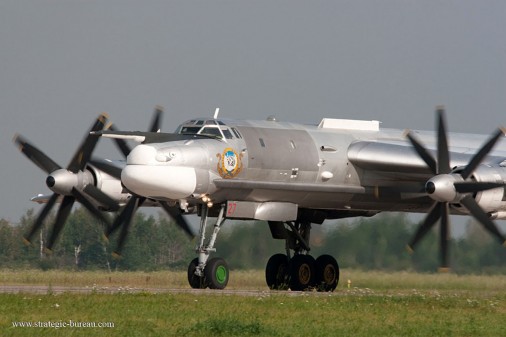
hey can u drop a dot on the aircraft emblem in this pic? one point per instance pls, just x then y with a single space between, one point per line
229 163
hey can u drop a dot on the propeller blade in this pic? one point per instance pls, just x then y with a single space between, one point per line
110 169
478 157
90 206
444 235
155 127
475 186
35 155
155 123
63 213
427 224
423 153
443 156
121 143
101 197
40 218
83 154
123 216
175 213
482 217
128 217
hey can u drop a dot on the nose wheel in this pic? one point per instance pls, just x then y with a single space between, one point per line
215 275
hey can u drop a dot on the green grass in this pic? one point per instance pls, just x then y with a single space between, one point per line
376 304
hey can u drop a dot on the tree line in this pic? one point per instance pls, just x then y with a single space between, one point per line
156 243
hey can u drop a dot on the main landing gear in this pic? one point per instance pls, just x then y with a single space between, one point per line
299 272
302 271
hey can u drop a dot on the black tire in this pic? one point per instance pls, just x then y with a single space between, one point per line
327 273
302 272
277 273
216 273
196 282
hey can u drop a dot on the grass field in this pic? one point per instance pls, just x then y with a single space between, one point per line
375 304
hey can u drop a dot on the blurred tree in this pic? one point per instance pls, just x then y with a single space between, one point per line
158 243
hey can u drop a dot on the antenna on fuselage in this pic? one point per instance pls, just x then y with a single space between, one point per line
216 112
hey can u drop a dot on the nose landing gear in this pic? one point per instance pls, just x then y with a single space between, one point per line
202 272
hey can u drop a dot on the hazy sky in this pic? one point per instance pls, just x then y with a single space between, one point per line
62 62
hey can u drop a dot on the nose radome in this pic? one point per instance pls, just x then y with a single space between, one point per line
142 155
172 182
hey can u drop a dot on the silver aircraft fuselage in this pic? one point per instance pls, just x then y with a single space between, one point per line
342 165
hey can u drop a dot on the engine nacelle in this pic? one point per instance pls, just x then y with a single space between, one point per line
493 200
109 185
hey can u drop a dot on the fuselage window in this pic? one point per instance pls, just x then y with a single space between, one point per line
262 143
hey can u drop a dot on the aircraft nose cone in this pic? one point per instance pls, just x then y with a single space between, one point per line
172 182
142 155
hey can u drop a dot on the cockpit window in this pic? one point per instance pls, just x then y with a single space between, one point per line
190 130
210 127
227 133
210 131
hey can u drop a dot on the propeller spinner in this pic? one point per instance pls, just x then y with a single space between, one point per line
449 187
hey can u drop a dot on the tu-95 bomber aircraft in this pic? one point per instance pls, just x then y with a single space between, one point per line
290 175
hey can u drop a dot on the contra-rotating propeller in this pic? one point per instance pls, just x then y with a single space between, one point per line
449 186
72 183
125 217
155 127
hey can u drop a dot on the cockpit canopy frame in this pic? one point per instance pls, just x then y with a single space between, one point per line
209 127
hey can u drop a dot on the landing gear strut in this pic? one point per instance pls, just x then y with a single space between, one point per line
283 271
202 271
302 271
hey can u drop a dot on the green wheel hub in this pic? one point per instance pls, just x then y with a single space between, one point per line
216 273
221 274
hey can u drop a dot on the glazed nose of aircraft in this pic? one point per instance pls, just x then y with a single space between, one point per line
146 176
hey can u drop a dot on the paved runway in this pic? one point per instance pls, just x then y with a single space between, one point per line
42 289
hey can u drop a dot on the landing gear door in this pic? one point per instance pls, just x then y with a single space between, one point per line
268 211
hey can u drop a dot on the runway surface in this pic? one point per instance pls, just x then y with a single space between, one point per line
42 289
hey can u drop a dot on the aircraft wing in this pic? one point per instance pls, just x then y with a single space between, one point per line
42 198
148 137
395 157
